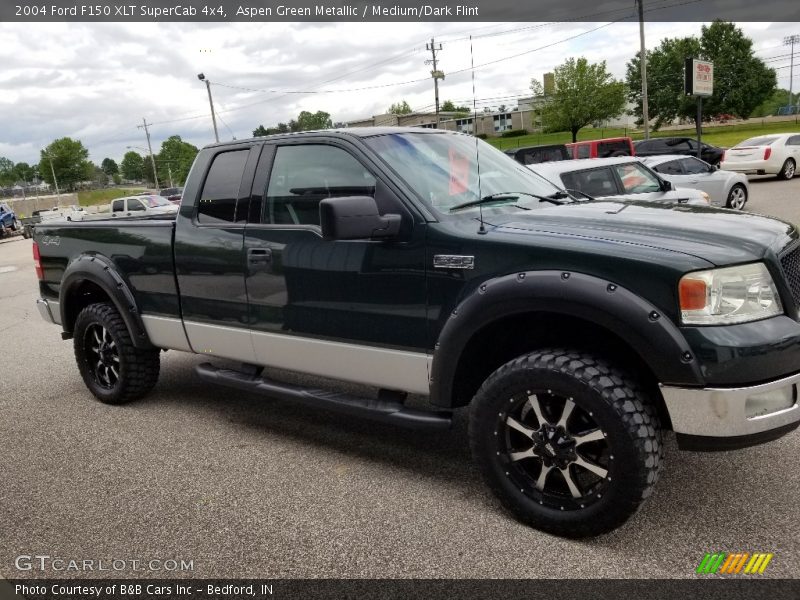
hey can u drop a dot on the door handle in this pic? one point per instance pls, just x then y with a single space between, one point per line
258 256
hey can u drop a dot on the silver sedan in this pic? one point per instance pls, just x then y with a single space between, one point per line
725 188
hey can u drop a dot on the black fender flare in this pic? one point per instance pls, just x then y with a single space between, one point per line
646 330
101 271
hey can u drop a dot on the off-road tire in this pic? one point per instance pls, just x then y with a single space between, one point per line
621 409
138 368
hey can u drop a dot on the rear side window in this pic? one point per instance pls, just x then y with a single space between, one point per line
616 148
118 206
584 151
304 175
758 141
218 199
672 167
793 141
597 182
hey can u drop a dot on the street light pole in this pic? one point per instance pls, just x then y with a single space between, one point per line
790 40
202 77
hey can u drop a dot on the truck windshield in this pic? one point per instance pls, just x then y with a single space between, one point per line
443 170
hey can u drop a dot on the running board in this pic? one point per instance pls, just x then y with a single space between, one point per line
386 411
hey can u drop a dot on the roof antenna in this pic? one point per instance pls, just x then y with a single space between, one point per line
481 229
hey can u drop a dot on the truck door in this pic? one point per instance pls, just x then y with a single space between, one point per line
209 255
333 307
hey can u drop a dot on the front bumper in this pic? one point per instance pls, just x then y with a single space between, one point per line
726 418
49 310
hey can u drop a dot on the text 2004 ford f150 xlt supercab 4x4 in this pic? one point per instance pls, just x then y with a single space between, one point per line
576 331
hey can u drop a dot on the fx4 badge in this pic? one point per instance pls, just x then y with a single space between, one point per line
453 261
51 240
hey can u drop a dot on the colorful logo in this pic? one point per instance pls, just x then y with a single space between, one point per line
734 563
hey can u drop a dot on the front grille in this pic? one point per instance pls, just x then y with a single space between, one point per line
790 263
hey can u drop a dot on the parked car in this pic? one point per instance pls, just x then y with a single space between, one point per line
724 188
8 220
576 332
685 146
532 155
28 224
604 148
141 205
774 154
625 177
172 194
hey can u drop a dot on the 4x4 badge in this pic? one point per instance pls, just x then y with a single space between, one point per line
453 261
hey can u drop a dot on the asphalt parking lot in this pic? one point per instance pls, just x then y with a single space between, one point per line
251 487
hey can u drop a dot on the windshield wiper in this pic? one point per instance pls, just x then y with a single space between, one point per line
552 198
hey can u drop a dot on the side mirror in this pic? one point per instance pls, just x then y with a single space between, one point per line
713 169
666 186
355 218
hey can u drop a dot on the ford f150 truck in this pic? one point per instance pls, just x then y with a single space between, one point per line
423 262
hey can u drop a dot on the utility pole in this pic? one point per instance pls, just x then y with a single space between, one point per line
643 69
53 171
791 40
149 147
202 78
435 73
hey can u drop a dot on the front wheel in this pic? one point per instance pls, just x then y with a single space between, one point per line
113 369
788 169
566 441
737 197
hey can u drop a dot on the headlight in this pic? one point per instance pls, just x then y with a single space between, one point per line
730 295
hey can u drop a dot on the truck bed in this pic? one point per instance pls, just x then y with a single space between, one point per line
141 249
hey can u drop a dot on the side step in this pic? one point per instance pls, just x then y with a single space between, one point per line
386 411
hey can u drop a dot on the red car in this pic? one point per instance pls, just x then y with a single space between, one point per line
619 146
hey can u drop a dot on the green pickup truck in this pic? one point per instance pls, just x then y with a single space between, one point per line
576 331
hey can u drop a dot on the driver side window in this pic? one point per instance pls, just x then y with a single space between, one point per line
305 174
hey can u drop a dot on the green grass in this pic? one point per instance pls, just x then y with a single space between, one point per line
104 196
720 135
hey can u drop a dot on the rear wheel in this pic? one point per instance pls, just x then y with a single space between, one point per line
788 169
114 370
566 441
737 197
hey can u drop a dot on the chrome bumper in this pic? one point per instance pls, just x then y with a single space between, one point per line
49 310
723 412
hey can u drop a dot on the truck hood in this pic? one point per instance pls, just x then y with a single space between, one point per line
719 236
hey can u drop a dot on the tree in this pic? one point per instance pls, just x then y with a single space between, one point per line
109 166
70 161
584 93
24 172
307 121
261 130
777 99
132 166
448 106
7 175
741 81
176 156
399 108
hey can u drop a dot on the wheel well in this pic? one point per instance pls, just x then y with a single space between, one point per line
86 293
512 336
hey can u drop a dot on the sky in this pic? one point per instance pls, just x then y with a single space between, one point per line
96 81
